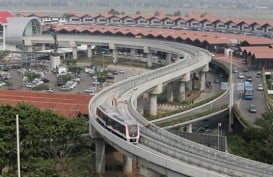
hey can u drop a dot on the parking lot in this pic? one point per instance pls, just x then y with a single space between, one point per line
86 83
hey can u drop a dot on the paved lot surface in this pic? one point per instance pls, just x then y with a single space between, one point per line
17 82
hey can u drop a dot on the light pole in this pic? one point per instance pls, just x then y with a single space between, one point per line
230 118
218 136
18 146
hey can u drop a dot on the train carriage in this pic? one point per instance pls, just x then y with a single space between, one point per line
118 123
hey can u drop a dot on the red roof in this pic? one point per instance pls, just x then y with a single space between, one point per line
69 105
4 15
260 52
209 37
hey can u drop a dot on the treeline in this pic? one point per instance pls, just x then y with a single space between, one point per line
255 142
50 144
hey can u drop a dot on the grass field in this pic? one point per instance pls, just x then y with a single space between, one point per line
219 12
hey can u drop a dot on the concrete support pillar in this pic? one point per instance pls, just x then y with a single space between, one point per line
132 54
148 172
74 52
202 81
181 129
153 99
43 47
149 60
89 51
127 165
182 91
189 85
115 56
170 92
168 58
153 104
29 48
140 104
64 56
100 156
189 128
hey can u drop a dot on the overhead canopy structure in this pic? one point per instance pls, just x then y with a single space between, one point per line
17 27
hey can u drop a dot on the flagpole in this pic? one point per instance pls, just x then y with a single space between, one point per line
18 145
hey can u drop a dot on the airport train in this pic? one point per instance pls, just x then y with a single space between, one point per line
118 123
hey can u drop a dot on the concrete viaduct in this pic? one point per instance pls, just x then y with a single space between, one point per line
159 152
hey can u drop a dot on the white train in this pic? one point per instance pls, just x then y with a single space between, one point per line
118 123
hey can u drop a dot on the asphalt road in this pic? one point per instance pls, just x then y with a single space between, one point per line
258 100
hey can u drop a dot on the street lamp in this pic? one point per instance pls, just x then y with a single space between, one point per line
18 146
218 135
230 118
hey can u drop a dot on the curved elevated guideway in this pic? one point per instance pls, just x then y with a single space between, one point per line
164 152
158 149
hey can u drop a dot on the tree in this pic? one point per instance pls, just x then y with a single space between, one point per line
70 62
31 76
44 135
157 13
4 53
75 69
177 13
257 143
66 15
113 12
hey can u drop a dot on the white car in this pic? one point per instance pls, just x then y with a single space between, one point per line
241 76
95 82
90 90
260 87
121 71
2 84
50 90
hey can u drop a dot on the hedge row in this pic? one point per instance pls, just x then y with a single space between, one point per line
192 117
237 113
190 106
268 100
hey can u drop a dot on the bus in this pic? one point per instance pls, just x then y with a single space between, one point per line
248 91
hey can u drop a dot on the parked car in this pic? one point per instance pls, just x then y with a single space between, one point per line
115 72
78 80
45 80
50 90
259 74
95 82
249 78
90 90
2 84
241 76
121 71
260 87
65 88
245 69
216 81
235 70
252 108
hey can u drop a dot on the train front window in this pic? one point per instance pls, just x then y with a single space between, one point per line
133 130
